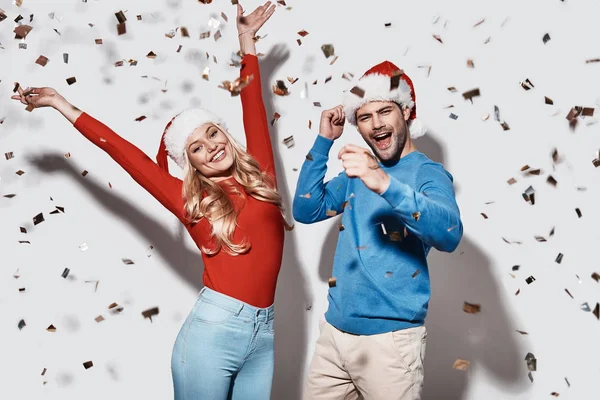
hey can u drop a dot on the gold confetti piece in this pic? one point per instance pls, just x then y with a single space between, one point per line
280 89
120 17
88 364
9 155
479 23
395 236
299 42
530 280
438 38
42 60
592 60
217 35
276 117
327 79
303 33
531 362
332 282
461 365
306 196
38 219
98 41
149 313
468 95
236 86
596 276
292 80
205 72
569 293
484 215
527 85
22 31
416 273
289 141
596 311
44 372
84 173
140 118
511 181
331 213
471 308
309 157
416 215
555 394
71 80
309 124
540 238
387 24
99 318
559 258
121 29
151 55
587 112
470 63
505 126
23 230
204 35
127 261
20 172
548 100
328 50
578 211
224 17
334 60
357 91
551 180
522 332
341 227
51 328
546 38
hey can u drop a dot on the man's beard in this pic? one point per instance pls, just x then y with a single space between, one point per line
392 154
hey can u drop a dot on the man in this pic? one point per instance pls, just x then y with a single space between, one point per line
395 208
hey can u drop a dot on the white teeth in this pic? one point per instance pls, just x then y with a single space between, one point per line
218 155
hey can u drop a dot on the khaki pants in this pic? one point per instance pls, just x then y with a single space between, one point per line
372 367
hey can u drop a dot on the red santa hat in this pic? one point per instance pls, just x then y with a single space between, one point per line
384 82
177 132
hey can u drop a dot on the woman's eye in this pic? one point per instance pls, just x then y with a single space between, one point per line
197 148
212 135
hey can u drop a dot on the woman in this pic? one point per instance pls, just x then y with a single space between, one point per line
229 203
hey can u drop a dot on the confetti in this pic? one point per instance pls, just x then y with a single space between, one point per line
453 116
149 313
531 362
416 215
471 308
522 332
416 273
289 141
328 50
479 23
389 274
470 63
71 80
236 86
98 41
341 227
217 35
204 35
332 282
551 180
529 195
51 328
140 118
38 219
22 31
548 100
585 307
280 89
305 196
395 236
309 157
438 38
303 33
42 60
461 365
184 32
468 95
276 117
9 155
578 211
592 60
527 85
151 54
22 324
530 280
99 318
569 293
65 273
127 261
546 38
88 364
559 258
555 394
205 72
596 276
596 311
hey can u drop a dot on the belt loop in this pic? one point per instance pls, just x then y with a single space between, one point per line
202 290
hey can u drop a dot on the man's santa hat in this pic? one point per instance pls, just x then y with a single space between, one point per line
384 82
177 132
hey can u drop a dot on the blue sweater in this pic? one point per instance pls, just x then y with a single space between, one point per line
380 263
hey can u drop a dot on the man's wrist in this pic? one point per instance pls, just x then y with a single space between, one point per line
327 136
385 182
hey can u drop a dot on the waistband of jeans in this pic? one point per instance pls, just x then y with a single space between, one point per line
234 305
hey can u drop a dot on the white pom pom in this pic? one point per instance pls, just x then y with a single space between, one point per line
417 129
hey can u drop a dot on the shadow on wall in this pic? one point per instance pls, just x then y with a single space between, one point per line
487 339
186 262
292 296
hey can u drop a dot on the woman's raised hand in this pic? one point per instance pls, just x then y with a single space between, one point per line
38 97
251 23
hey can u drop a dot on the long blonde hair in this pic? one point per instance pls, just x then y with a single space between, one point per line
203 198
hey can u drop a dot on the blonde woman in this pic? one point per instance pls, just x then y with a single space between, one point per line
229 203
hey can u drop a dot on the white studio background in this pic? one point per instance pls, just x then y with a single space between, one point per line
108 217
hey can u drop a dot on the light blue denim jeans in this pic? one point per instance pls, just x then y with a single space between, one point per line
224 350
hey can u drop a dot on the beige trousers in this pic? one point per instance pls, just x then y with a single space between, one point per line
370 367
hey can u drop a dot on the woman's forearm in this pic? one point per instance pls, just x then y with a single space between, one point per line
247 45
68 110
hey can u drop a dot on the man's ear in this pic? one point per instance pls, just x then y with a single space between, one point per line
406 112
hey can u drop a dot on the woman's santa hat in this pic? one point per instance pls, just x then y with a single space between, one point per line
177 132
384 82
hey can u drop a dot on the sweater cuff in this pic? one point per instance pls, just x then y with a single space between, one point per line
396 192
322 145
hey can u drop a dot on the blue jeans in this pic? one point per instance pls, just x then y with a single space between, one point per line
224 350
